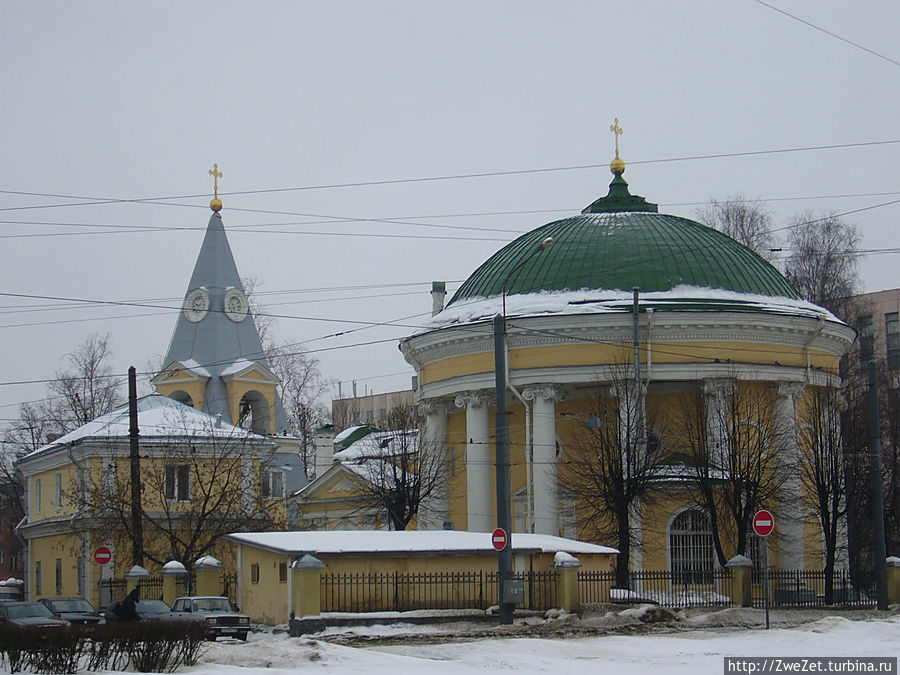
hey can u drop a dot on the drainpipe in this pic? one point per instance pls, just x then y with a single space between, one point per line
809 342
81 490
529 478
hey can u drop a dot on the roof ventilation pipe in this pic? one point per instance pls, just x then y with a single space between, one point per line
438 293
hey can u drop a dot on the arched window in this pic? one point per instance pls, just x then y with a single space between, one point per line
182 397
254 413
691 552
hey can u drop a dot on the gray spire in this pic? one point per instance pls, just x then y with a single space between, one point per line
215 334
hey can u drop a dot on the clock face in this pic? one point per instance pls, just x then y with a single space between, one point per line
235 305
196 305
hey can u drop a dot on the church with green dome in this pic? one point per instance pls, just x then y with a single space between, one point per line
681 356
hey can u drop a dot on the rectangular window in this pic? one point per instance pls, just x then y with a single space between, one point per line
273 484
382 415
892 335
14 561
58 496
37 495
37 577
178 481
254 573
282 572
59 576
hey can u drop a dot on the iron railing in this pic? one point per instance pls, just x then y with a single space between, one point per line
806 588
401 591
666 588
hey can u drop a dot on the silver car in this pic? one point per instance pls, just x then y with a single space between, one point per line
222 617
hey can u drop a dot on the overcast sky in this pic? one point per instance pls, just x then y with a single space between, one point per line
113 113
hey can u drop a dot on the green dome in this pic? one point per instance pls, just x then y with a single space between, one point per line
620 250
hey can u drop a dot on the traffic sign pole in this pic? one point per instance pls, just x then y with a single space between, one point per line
763 526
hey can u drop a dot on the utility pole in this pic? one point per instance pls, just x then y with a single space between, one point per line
137 525
501 427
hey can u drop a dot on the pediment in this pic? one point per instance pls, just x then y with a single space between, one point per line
179 372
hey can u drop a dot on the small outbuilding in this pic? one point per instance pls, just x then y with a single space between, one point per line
264 560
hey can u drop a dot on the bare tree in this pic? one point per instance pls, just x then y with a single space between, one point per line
745 220
822 470
302 388
197 485
609 467
87 388
84 389
822 263
401 472
729 437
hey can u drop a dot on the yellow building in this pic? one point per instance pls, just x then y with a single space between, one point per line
624 322
200 478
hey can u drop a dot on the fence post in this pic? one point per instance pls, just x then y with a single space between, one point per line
740 567
170 573
133 578
893 579
209 576
306 586
567 596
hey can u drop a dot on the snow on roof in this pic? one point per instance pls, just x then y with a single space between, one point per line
346 432
237 367
195 366
385 542
380 444
594 301
158 416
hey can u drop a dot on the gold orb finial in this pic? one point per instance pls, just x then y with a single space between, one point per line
617 166
216 203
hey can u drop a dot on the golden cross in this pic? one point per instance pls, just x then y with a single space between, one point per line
617 130
216 174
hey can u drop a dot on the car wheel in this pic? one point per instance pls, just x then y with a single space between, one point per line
242 636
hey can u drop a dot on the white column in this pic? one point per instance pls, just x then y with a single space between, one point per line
435 507
478 462
789 509
716 393
546 496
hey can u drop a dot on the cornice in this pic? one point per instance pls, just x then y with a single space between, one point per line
574 329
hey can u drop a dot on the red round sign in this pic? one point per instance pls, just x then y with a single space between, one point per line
763 523
102 555
499 538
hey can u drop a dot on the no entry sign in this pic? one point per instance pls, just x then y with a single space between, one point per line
499 538
102 555
763 523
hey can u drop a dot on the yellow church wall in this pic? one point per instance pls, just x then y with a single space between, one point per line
187 382
612 353
46 554
264 585
56 495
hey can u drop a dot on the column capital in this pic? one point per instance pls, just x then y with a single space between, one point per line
547 392
472 399
436 406
788 389
719 387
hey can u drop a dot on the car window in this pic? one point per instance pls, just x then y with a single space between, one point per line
152 607
75 605
28 610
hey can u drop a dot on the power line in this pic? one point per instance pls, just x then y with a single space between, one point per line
829 33
92 201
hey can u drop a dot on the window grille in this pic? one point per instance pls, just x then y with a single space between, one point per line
691 548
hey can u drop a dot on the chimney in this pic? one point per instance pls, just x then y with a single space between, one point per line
438 293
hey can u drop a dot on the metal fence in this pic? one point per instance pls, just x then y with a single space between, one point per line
665 588
806 588
112 590
399 591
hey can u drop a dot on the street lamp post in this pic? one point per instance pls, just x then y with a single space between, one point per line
501 425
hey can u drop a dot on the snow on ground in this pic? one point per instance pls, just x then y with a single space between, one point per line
687 653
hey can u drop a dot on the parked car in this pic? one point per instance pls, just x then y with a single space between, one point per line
29 614
73 610
222 617
153 610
